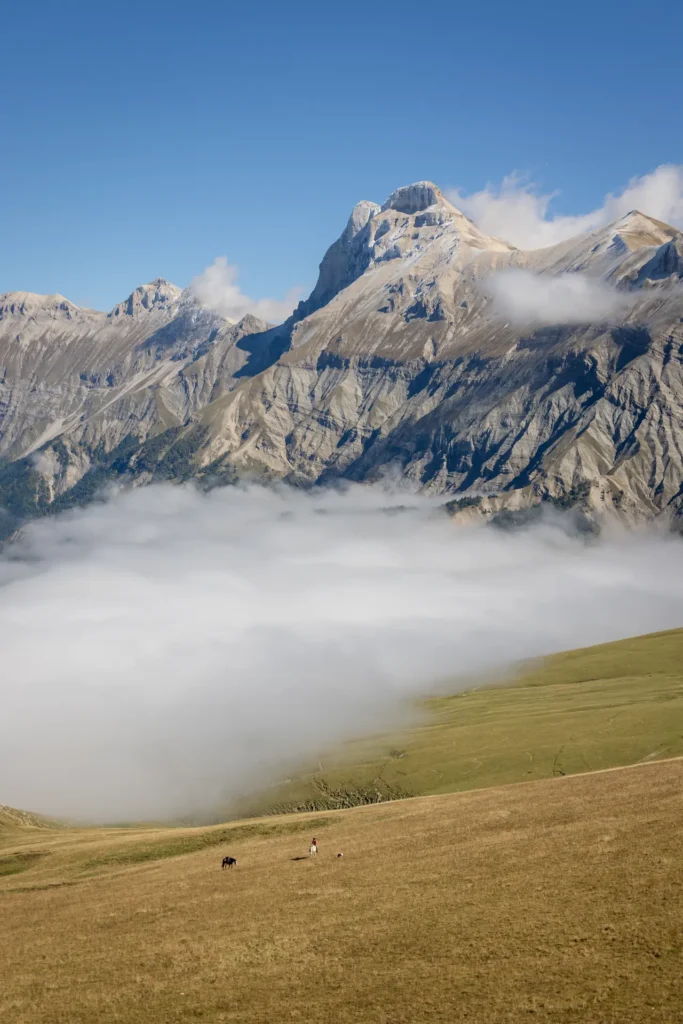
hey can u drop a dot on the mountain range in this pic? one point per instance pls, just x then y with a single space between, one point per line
427 351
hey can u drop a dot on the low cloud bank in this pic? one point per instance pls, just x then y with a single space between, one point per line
519 213
216 289
167 651
525 297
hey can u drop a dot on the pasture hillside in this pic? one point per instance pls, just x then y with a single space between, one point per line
559 901
13 820
585 710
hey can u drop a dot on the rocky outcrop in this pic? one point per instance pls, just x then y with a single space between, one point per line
665 264
344 261
158 294
398 364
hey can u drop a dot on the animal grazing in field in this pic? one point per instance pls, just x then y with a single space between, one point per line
340 854
228 862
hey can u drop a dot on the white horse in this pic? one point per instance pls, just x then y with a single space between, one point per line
313 850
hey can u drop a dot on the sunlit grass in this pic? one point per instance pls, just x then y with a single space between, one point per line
558 901
596 708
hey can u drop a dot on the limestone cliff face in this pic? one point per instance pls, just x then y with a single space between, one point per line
398 363
86 376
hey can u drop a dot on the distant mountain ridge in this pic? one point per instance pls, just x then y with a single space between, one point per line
398 363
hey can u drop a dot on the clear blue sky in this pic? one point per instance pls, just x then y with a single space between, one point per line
144 139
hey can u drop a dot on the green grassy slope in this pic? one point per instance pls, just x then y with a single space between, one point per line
600 707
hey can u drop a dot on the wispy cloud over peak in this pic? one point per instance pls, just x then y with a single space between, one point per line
216 288
519 213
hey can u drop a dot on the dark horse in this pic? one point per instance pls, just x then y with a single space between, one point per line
229 862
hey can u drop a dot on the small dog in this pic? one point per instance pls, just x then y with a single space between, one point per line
229 862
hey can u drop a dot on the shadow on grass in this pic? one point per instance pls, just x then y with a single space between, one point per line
14 863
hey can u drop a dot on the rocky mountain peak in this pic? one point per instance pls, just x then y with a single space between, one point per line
360 215
399 359
29 304
415 198
665 264
636 230
415 221
345 260
158 294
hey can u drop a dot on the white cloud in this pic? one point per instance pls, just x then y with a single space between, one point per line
166 651
518 213
216 288
524 297
46 463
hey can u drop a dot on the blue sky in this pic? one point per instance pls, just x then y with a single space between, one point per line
145 139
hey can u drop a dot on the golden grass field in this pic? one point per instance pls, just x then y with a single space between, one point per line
558 901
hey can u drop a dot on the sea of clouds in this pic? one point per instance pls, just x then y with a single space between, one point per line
167 652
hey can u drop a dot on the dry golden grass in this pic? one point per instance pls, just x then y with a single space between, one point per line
556 901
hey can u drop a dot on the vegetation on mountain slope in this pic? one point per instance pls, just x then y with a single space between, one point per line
168 456
594 708
559 899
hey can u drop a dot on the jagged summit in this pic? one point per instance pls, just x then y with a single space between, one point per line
615 251
344 261
636 230
158 294
415 198
402 360
416 222
638 218
360 215
666 263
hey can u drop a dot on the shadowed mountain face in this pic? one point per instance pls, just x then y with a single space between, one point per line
427 348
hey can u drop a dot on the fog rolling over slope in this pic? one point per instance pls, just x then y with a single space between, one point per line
166 652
